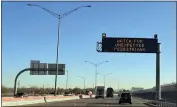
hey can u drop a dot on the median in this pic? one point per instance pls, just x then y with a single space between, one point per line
33 100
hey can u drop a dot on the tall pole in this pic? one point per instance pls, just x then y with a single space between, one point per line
104 77
84 84
95 79
67 80
96 65
118 87
158 88
57 55
59 18
83 79
104 81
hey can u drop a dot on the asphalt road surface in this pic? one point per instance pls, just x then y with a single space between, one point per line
93 102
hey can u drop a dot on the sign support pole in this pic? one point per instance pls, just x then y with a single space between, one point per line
15 83
26 69
158 88
151 46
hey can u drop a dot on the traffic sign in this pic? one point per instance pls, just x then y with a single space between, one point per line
52 69
38 68
129 45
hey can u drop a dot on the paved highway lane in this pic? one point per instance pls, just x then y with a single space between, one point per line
93 102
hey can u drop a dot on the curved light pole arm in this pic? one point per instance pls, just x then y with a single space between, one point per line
102 63
91 63
69 12
55 14
108 74
96 64
100 74
15 83
81 77
52 13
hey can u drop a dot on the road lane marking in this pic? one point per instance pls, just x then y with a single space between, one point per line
74 105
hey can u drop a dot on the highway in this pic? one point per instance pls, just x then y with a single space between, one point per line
93 102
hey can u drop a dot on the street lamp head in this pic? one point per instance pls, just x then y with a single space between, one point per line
81 77
106 61
88 6
29 4
109 73
32 5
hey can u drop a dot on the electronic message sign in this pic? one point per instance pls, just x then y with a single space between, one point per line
129 45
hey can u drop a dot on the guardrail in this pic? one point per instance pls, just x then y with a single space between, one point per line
160 104
154 103
163 104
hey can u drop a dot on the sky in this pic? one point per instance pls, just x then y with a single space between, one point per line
30 33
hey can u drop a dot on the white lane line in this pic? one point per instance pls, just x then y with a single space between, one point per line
74 105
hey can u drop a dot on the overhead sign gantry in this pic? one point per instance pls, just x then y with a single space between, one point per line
133 45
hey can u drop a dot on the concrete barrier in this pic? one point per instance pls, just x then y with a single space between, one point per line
42 100
63 99
22 102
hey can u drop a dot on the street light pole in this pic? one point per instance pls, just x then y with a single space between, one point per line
104 76
83 79
67 79
96 65
57 55
95 78
104 81
84 84
59 21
